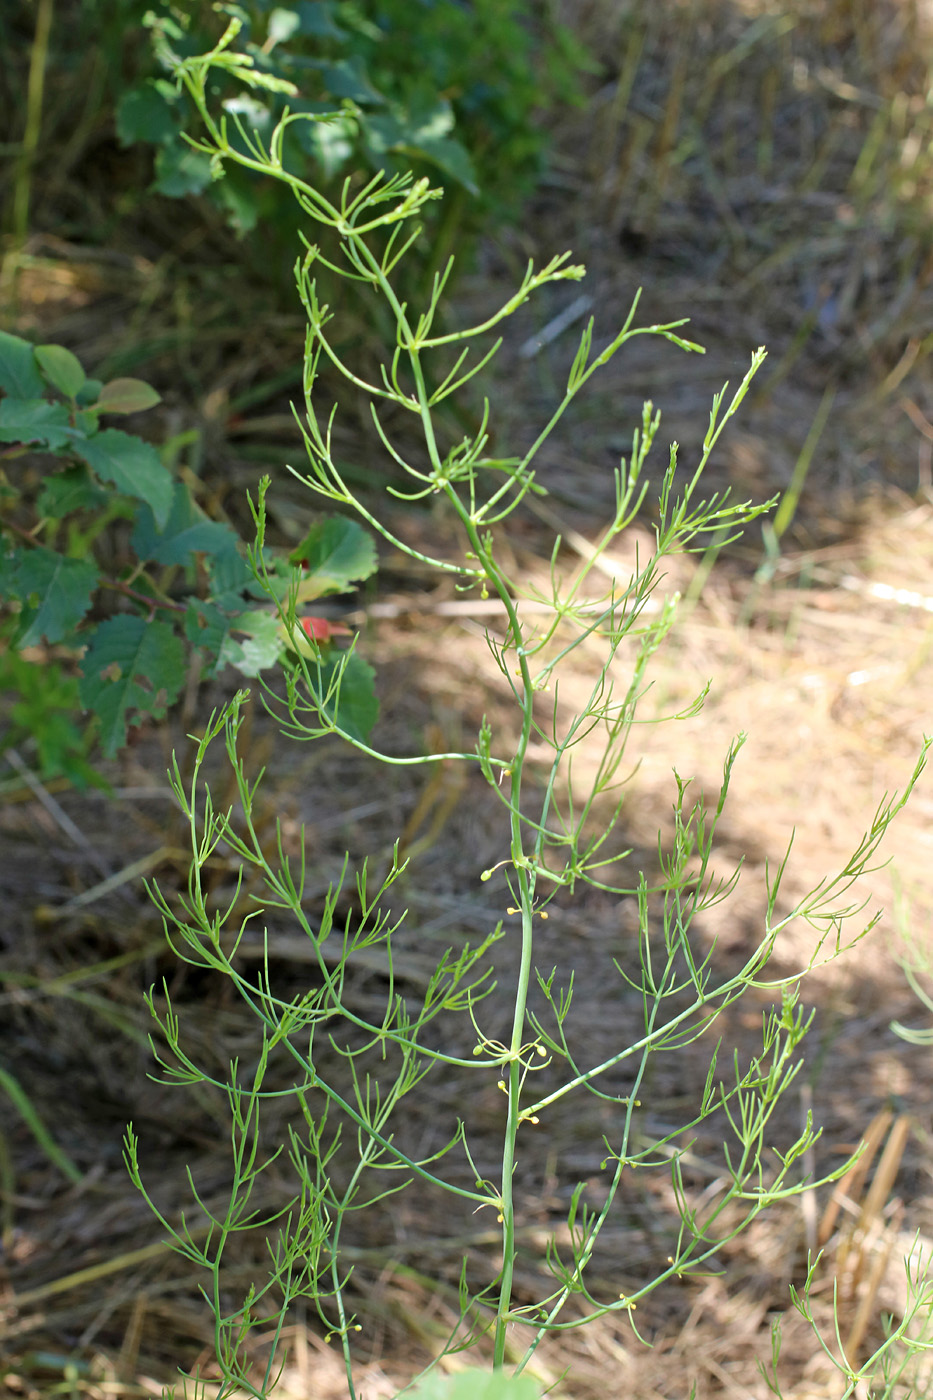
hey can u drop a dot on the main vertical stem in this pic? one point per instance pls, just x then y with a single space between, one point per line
526 893
524 876
524 873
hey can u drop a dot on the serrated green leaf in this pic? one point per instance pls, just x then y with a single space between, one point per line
336 553
230 576
126 396
181 171
185 531
207 627
55 593
72 489
262 647
61 368
474 1384
19 374
130 664
133 466
35 421
356 708
147 113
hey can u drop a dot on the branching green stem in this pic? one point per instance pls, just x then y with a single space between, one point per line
348 1071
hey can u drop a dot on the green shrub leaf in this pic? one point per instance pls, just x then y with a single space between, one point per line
18 372
126 396
337 553
207 627
130 664
133 466
55 593
262 647
148 113
348 79
356 708
316 17
61 368
424 133
72 489
181 171
35 421
231 577
184 531
89 391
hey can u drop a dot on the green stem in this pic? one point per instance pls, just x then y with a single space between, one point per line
34 95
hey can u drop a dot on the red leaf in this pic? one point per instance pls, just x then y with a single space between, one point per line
321 629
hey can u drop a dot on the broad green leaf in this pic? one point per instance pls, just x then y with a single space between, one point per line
61 368
431 120
130 665
148 113
348 79
230 576
207 627
475 1384
423 132
35 421
55 593
329 143
133 466
336 554
317 17
449 156
262 646
19 374
126 396
185 531
356 708
382 132
181 171
240 199
72 489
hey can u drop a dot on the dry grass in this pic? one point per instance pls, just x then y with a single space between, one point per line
764 169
